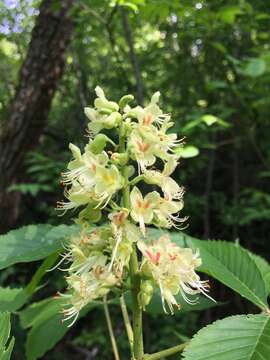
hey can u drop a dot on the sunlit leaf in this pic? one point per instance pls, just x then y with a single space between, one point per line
228 14
254 67
188 151
32 242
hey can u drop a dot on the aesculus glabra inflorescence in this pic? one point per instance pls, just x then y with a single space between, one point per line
104 181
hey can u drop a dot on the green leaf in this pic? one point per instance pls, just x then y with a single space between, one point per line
241 337
264 268
231 265
12 299
32 242
5 352
255 67
209 119
190 125
188 151
32 189
47 328
228 14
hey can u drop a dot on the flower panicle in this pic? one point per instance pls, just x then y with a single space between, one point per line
94 182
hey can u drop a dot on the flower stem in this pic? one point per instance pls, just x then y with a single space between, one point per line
165 353
110 328
136 283
136 310
133 270
127 323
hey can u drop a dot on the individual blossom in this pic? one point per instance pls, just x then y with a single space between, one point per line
82 289
142 208
108 181
148 138
142 150
172 270
104 115
166 213
151 114
124 235
90 180
168 185
167 143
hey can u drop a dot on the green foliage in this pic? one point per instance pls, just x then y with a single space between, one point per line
32 242
236 337
232 265
32 189
264 268
188 151
11 299
5 348
47 329
254 67
212 62
45 319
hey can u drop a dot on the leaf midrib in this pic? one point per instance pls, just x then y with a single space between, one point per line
256 344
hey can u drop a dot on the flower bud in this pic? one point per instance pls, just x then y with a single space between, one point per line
104 111
125 100
145 294
105 104
98 143
131 170
112 120
89 214
119 158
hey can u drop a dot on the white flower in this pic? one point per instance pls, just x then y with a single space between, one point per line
168 185
165 213
172 269
105 115
142 208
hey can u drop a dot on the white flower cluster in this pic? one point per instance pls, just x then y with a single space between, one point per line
103 179
98 259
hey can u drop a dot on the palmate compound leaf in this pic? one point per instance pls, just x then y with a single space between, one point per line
32 242
241 337
5 349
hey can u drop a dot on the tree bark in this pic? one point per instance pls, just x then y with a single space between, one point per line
39 75
133 58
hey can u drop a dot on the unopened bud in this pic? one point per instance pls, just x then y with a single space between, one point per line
112 120
145 294
119 158
97 145
125 100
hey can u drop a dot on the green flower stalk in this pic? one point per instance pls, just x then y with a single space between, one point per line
104 183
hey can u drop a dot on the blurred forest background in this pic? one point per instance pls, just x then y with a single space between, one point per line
210 60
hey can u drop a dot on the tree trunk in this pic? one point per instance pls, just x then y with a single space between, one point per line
38 79
133 58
